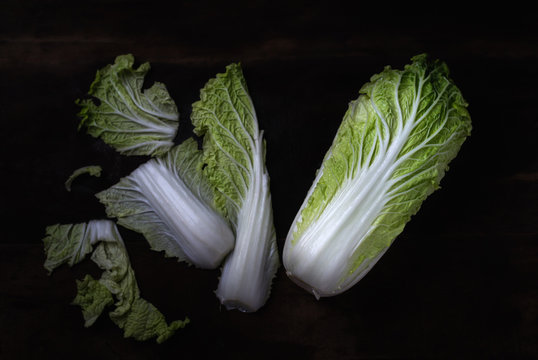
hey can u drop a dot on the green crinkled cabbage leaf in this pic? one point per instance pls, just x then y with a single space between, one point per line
234 154
133 121
225 116
138 318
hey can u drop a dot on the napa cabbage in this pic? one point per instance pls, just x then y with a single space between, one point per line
390 152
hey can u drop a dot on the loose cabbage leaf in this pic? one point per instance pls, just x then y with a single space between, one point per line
169 200
70 244
93 170
234 153
133 121
391 151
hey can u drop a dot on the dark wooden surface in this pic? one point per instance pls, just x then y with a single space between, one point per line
460 281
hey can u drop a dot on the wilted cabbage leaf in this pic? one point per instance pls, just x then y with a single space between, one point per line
70 243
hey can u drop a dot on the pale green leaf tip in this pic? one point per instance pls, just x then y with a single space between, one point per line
171 329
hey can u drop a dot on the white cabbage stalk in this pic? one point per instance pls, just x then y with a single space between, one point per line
234 152
391 151
168 200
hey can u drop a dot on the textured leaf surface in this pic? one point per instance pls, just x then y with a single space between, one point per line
132 120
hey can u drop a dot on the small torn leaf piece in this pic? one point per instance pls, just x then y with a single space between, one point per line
133 121
138 318
93 170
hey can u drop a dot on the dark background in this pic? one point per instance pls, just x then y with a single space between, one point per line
459 282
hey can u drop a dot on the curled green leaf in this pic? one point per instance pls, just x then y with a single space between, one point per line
93 170
132 120
70 243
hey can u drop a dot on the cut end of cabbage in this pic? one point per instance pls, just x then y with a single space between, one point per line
236 305
304 285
